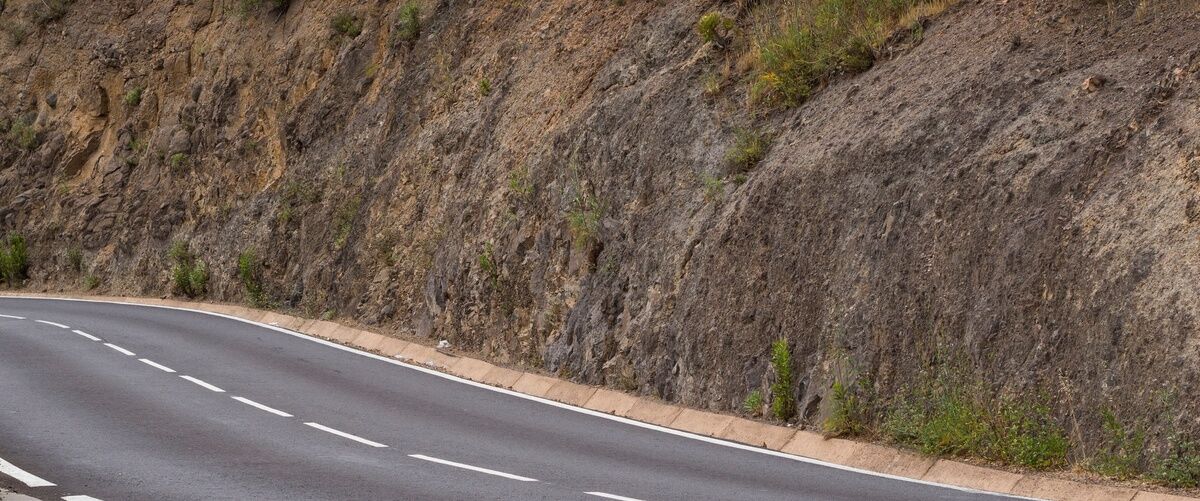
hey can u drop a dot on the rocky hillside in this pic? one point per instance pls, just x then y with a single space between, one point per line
1011 190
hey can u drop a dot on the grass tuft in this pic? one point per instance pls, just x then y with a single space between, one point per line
347 24
14 260
250 274
783 404
407 26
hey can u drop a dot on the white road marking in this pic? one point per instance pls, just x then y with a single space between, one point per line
79 498
611 496
56 324
12 317
119 349
202 383
23 476
473 468
572 408
84 334
259 406
345 435
160 367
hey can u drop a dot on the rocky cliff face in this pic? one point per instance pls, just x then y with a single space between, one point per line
545 183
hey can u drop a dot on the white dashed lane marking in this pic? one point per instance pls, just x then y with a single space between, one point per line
23 476
14 317
259 406
158 366
56 324
472 468
203 384
611 496
119 349
84 334
345 435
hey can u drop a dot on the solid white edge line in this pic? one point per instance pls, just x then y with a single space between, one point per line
611 496
472 468
120 349
56 324
259 406
155 365
203 384
84 334
79 498
23 476
581 410
14 317
344 435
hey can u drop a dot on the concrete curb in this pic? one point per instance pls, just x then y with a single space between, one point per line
864 456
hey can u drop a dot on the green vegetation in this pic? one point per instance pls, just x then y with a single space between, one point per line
407 26
346 24
753 404
749 148
783 404
520 182
714 187
485 87
90 282
847 415
950 415
188 274
344 221
14 260
178 161
710 27
133 97
75 259
23 135
584 220
799 44
250 274
487 263
1123 454
1180 466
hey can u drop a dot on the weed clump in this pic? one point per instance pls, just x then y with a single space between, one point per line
189 275
407 26
14 260
584 220
346 24
799 44
783 404
250 274
133 97
753 405
710 27
23 135
749 148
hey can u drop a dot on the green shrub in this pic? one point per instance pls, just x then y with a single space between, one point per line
133 97
75 259
714 187
951 415
249 273
520 182
1179 468
485 87
1123 451
583 220
23 135
14 260
846 417
753 404
178 161
90 282
710 26
345 23
408 23
749 148
487 263
344 221
189 276
783 404
798 44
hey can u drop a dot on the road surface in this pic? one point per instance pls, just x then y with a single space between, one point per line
113 402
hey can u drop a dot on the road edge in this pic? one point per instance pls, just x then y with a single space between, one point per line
845 454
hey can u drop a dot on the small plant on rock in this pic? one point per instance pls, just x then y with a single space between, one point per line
14 260
23 135
133 97
346 24
753 405
783 404
408 23
710 27
749 148
189 275
250 274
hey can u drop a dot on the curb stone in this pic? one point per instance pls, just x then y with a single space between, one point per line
865 456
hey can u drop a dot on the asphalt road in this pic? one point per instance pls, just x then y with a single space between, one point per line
123 403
